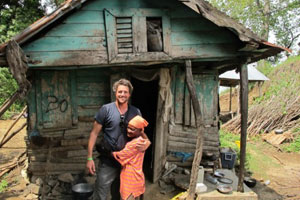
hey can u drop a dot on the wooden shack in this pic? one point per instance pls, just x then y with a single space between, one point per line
75 54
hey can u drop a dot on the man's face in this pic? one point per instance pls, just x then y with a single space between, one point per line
132 131
122 94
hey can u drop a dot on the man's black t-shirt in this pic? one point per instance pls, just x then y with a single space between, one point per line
114 125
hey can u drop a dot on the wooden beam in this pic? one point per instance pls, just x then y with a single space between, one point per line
198 118
244 118
230 97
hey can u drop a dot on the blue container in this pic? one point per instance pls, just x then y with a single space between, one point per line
228 157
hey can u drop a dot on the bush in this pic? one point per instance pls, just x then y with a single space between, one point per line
8 86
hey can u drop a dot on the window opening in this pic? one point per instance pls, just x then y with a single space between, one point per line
154 34
124 35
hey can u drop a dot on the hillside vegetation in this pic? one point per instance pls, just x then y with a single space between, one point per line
279 106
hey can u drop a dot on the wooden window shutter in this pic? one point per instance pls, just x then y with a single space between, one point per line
124 35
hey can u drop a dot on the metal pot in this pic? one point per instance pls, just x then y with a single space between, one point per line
250 182
82 191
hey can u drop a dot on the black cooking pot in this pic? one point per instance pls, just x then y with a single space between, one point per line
250 182
82 191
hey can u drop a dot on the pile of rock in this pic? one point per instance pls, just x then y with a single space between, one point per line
54 187
173 177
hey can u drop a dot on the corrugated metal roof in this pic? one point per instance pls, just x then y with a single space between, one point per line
232 78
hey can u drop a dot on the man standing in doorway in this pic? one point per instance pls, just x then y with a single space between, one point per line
112 119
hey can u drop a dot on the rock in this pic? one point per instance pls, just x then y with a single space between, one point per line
186 172
56 193
39 181
33 188
32 196
52 183
66 177
182 181
168 189
90 179
162 184
34 178
46 189
178 170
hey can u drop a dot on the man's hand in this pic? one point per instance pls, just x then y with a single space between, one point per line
90 165
143 144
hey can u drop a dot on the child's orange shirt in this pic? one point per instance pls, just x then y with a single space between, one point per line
132 176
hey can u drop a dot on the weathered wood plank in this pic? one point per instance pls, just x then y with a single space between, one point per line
111 35
83 101
85 17
123 26
120 40
67 58
125 50
179 96
84 112
100 87
125 45
73 83
66 44
203 51
87 93
100 73
124 31
140 34
187 107
48 167
73 30
182 139
141 57
202 37
192 24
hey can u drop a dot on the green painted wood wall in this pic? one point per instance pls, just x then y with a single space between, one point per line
79 39
59 99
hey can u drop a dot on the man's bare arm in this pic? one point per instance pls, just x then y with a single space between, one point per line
144 144
92 140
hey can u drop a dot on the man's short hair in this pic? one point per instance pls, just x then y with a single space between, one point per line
124 82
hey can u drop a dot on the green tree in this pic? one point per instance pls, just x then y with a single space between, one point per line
266 17
16 15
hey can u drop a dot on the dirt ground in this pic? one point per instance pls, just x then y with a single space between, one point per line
282 171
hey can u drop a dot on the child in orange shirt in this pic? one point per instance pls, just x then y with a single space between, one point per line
132 176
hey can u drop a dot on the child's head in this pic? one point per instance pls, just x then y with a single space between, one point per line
135 126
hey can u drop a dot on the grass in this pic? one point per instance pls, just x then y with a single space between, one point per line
256 160
3 185
293 147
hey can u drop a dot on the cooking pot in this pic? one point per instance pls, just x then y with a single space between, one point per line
82 191
250 182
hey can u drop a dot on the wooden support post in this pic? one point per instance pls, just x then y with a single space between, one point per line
259 88
238 102
230 97
198 118
244 118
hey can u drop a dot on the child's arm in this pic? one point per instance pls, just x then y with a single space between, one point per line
126 154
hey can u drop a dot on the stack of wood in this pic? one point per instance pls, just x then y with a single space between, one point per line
279 111
17 161
277 139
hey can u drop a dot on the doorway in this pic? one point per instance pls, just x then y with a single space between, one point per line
144 97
